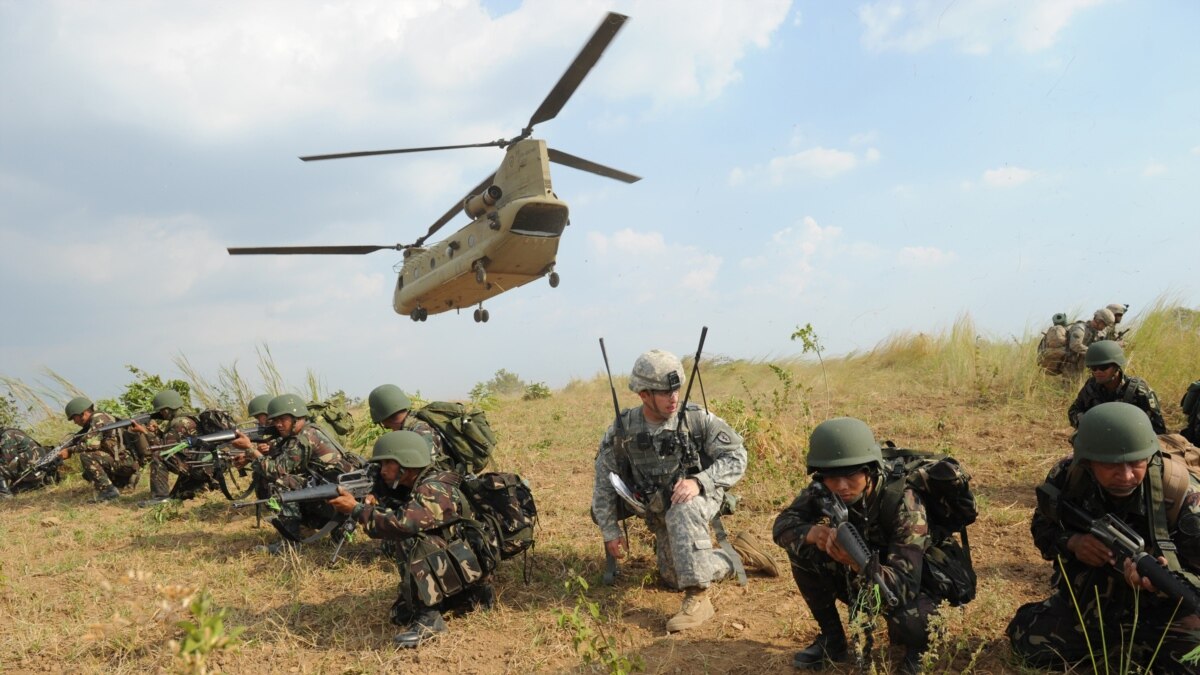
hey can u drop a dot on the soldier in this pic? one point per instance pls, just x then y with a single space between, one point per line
107 464
436 559
844 456
1081 334
682 464
170 425
1190 404
1052 349
1117 469
1107 383
18 453
302 450
257 408
1118 310
390 409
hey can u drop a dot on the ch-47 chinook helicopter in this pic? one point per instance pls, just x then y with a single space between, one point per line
516 219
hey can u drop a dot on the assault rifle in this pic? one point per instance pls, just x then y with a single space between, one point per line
851 541
357 483
1124 543
51 460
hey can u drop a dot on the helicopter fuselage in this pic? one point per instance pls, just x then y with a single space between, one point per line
511 244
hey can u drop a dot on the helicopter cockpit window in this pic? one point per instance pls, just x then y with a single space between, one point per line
432 262
471 241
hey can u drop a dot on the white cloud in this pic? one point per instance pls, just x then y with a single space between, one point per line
975 27
925 256
1006 177
646 263
789 264
871 156
1154 169
816 162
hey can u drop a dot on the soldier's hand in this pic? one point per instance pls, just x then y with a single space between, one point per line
1090 551
616 547
1136 580
241 441
343 503
64 453
138 427
685 490
825 539
370 500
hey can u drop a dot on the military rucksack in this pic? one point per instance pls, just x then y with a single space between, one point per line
213 420
1190 403
332 415
504 501
466 434
950 507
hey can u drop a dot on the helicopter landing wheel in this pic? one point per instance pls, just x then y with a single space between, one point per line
554 280
477 316
483 315
424 314
480 274
415 315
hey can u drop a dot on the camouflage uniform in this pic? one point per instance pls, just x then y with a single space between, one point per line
1048 633
440 459
900 541
1079 335
171 431
682 540
18 452
289 465
427 526
105 460
1132 390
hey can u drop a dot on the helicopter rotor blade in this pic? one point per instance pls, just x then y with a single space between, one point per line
398 151
560 157
455 210
579 68
313 250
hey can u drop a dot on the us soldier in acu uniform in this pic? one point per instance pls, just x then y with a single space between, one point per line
437 562
107 463
391 408
1108 383
1081 334
1117 469
844 456
1118 310
303 449
18 452
649 454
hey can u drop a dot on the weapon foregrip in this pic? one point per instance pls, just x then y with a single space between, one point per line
1168 583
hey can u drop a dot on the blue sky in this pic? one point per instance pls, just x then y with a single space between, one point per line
868 168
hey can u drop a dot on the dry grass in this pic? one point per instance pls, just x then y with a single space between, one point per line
65 608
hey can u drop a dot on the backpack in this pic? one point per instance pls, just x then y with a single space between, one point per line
466 434
505 502
214 420
332 415
950 507
1190 404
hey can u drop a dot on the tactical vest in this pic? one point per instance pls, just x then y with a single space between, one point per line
654 460
445 561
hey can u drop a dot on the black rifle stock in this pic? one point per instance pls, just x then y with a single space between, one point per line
1123 541
852 542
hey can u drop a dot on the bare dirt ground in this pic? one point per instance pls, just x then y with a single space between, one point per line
88 587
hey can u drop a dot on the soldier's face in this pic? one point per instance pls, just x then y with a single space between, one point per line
389 471
847 488
396 421
82 418
1119 479
261 418
659 405
286 425
1104 374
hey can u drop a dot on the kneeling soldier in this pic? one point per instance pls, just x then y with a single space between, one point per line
434 529
107 464
847 464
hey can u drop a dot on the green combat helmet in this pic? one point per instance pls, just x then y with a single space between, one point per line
656 370
167 398
1103 353
1115 432
407 448
77 405
1059 319
387 400
286 404
258 405
842 442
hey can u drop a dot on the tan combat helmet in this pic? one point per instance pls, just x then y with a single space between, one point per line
1104 317
1118 310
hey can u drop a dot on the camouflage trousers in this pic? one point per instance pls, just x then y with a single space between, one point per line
822 581
684 545
189 483
104 471
1047 634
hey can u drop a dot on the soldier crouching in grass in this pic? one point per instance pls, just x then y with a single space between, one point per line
107 464
848 465
445 556
1118 472
649 449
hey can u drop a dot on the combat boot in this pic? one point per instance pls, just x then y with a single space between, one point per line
752 554
5 492
825 650
697 609
483 597
153 501
429 624
911 665
108 494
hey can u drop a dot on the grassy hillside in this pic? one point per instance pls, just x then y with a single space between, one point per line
90 588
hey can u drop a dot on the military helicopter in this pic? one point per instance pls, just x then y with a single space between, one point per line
516 219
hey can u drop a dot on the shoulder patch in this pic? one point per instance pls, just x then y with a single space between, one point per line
723 437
